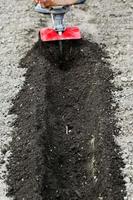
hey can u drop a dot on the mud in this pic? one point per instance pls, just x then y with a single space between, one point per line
63 145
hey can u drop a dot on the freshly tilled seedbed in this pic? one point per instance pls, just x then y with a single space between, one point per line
63 145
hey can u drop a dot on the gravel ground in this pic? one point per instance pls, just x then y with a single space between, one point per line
110 23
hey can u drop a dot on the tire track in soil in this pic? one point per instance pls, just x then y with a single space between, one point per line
63 146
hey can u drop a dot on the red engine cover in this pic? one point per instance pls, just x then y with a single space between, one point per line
70 33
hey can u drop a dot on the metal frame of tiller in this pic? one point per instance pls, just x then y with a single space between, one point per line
59 31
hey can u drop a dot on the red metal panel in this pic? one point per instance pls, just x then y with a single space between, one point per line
70 33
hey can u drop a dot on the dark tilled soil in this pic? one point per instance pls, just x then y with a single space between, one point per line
63 146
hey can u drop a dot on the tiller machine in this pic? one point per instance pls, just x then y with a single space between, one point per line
59 31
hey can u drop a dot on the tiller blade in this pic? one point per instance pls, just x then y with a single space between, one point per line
70 33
